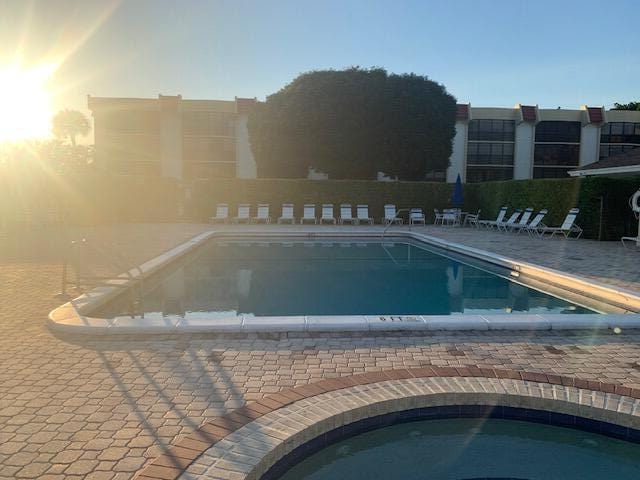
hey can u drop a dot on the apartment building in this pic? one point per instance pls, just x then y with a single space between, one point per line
528 142
173 137
188 139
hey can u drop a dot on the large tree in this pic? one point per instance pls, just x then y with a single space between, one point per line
627 106
352 124
69 124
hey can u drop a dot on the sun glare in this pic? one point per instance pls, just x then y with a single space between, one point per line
25 103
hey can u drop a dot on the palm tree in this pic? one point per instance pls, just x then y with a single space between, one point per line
69 124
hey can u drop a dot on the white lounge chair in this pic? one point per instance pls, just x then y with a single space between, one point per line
512 220
222 213
524 220
243 213
471 219
533 224
451 216
287 213
346 215
262 214
567 228
439 217
362 213
327 213
492 223
390 215
416 216
309 213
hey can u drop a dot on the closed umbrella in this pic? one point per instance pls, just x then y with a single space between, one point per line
457 198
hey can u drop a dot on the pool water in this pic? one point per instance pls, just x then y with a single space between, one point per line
468 449
333 278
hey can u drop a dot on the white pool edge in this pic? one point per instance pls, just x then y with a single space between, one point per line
71 317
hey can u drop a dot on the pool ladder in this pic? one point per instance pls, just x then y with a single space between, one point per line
384 232
76 259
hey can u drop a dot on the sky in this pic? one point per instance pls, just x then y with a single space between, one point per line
559 53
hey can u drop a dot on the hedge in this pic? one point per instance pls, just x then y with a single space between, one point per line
603 202
604 212
87 199
98 198
207 193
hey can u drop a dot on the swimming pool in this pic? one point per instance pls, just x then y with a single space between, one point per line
339 276
454 449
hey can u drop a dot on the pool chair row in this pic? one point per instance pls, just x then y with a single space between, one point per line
525 221
327 214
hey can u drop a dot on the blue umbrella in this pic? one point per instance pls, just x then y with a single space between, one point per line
457 198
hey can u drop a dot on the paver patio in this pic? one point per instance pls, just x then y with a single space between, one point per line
99 408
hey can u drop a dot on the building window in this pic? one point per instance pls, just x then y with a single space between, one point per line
557 148
620 132
490 150
209 149
558 132
484 153
554 160
488 174
129 121
613 149
215 124
492 130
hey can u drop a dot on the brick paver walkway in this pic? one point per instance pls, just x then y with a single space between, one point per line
100 408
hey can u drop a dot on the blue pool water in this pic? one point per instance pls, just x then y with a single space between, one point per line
333 278
468 449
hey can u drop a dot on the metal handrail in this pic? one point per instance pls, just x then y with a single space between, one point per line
118 266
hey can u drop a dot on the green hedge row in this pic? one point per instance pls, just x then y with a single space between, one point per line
86 199
604 212
207 193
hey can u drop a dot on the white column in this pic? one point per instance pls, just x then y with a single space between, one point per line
245 163
589 144
523 151
171 136
458 158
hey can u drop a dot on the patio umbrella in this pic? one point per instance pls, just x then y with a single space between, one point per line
457 198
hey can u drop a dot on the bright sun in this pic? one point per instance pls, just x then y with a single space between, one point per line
25 103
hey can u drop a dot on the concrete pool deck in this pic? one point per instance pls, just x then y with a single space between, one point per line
101 408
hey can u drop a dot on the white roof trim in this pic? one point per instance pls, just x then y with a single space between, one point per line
605 171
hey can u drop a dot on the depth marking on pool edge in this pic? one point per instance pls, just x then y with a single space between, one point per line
400 319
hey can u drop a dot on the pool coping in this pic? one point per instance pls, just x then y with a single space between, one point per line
73 316
247 442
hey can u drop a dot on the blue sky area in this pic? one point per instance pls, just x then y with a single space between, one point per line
489 53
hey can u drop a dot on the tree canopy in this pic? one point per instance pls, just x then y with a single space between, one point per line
627 106
354 123
69 124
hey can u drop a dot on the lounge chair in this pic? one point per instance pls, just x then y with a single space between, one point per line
451 216
243 213
390 215
512 220
533 224
346 215
309 213
567 228
362 214
327 213
492 223
524 220
287 213
439 217
471 219
262 214
416 216
222 213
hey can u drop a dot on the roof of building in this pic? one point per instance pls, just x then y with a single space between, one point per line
462 112
627 162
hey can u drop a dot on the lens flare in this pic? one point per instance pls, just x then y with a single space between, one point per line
25 102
